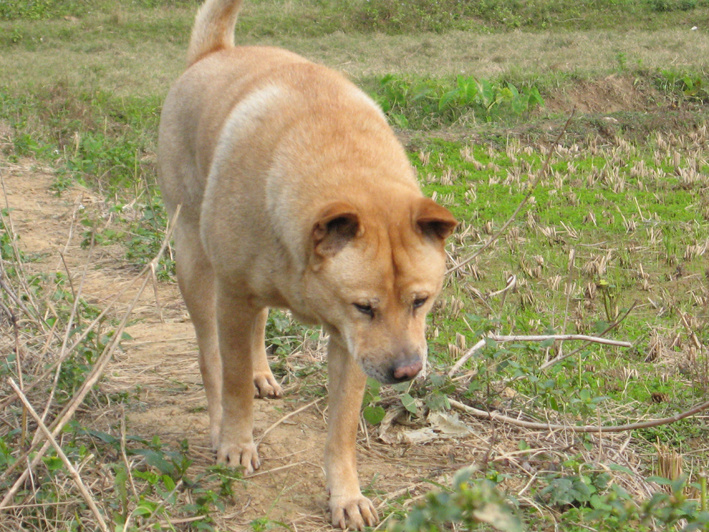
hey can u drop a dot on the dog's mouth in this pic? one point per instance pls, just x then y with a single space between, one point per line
400 370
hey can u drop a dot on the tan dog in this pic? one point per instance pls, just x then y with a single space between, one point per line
295 193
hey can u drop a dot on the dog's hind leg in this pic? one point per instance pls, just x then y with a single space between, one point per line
266 384
349 508
196 280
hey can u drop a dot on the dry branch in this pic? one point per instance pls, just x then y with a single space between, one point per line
540 338
67 463
612 326
291 414
535 338
468 354
558 338
494 416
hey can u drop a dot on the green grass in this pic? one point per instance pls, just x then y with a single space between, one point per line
621 219
318 17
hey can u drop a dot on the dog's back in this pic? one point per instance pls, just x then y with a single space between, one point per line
285 127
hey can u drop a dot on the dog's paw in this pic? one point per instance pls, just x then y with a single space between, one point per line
234 455
353 513
266 385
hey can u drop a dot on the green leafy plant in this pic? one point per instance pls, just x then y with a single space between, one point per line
691 86
575 490
372 411
433 103
615 509
467 503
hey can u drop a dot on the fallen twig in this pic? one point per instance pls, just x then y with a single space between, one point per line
494 416
535 338
468 354
20 374
559 338
291 414
511 283
540 338
67 463
612 326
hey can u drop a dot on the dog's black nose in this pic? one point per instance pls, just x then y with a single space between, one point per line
405 370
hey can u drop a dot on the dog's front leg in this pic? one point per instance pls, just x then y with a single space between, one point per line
348 506
237 322
266 384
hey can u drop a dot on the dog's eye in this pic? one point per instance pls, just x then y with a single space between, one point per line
419 302
365 309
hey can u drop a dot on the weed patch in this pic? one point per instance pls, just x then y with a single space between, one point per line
430 104
691 86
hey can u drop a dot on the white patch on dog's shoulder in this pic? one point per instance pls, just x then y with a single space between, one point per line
358 94
240 123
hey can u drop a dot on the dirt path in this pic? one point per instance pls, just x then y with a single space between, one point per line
158 370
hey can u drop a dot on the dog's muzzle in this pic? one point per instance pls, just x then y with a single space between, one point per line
400 370
405 370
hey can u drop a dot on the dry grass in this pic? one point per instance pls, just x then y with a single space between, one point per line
111 55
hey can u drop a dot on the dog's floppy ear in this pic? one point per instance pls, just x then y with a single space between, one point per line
433 220
337 224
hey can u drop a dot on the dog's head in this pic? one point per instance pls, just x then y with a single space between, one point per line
373 277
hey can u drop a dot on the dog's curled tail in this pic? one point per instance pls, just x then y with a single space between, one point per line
213 28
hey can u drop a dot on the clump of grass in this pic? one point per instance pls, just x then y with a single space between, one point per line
692 86
105 142
430 103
